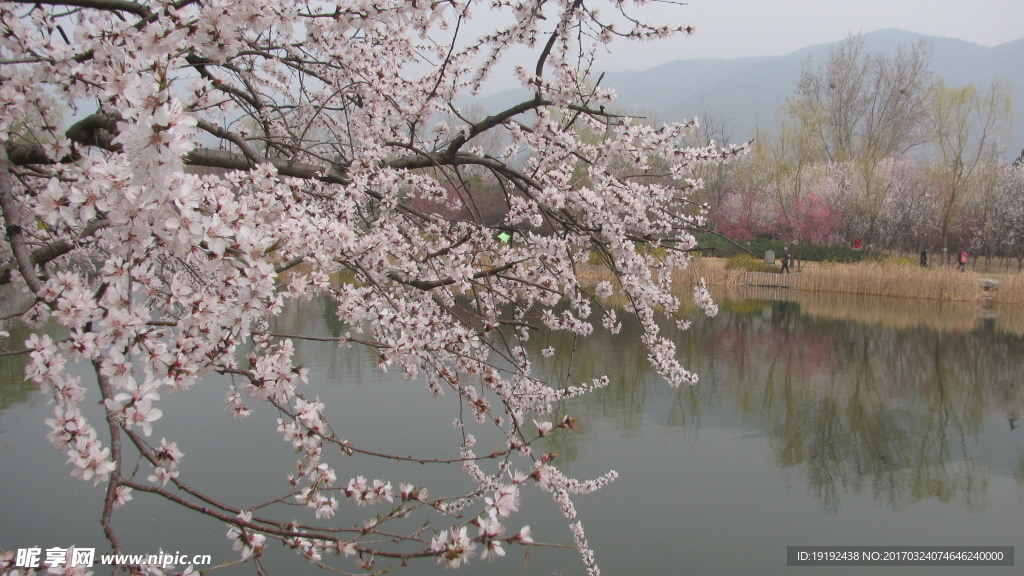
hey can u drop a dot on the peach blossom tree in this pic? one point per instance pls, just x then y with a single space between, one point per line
174 173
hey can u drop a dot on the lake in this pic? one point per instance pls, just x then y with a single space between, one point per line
818 420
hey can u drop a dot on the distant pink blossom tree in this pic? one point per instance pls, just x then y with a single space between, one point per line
745 215
814 221
761 211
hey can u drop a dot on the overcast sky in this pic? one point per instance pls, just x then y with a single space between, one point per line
736 28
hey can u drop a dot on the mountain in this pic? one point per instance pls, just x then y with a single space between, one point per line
746 92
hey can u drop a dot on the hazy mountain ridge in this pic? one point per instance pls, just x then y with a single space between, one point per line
748 91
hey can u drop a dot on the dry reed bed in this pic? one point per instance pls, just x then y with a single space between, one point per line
868 279
712 270
892 280
940 299
1010 289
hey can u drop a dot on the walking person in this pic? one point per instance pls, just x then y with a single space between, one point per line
785 260
963 261
924 258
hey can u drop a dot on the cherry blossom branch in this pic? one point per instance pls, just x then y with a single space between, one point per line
163 277
45 254
112 5
431 284
107 394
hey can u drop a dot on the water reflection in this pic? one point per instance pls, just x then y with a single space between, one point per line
891 404
14 389
812 416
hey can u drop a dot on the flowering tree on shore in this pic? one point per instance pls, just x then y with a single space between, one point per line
762 207
1007 214
214 146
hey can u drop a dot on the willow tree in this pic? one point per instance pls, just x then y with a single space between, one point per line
315 125
965 124
864 108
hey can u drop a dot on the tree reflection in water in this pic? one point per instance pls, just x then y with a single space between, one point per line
14 389
889 397
852 395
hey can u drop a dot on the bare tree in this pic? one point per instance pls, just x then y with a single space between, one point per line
864 108
964 125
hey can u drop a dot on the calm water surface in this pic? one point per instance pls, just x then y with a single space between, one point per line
816 422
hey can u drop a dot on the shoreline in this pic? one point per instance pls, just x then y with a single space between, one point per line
865 279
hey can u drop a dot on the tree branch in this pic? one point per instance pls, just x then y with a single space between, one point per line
41 256
12 226
139 10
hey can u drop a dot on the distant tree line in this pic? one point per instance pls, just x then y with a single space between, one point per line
877 147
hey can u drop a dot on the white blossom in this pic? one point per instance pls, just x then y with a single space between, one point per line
340 172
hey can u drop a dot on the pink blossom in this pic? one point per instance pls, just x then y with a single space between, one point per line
543 428
504 502
455 550
231 158
489 532
162 475
244 539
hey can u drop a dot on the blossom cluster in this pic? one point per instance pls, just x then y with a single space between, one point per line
240 156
